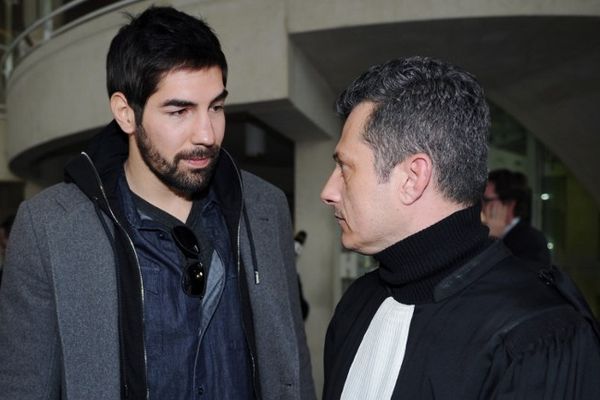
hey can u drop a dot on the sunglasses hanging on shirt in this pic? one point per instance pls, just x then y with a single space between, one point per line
193 281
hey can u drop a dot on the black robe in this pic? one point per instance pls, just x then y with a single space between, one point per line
526 242
484 325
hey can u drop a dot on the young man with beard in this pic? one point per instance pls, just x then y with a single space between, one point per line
158 270
449 313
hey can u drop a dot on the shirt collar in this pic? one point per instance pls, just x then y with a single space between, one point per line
511 225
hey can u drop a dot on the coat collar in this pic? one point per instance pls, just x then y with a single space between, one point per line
471 271
96 171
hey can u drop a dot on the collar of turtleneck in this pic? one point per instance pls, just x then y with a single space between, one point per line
413 267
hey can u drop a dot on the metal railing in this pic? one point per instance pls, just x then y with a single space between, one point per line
21 46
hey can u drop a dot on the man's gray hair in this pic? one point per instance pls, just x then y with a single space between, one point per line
423 105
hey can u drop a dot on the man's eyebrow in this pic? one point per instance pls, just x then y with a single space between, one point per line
188 103
178 103
221 96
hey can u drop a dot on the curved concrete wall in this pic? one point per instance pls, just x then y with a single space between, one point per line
59 89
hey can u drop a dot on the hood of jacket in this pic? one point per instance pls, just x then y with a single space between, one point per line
96 170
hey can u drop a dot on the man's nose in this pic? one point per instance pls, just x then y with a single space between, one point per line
203 131
330 194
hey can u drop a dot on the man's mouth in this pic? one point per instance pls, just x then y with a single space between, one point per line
198 158
198 162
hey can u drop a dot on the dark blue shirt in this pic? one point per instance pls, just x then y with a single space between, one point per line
195 349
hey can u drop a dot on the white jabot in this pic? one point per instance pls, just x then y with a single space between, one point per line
377 362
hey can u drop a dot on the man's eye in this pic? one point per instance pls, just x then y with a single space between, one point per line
178 113
218 107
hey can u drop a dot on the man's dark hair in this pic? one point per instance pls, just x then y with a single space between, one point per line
512 186
159 40
425 105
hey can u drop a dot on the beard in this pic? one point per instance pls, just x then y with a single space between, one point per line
178 179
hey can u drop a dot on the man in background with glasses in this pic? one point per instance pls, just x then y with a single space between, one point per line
158 270
506 210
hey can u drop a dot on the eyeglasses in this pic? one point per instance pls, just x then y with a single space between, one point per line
193 281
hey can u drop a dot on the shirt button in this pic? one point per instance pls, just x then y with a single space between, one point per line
200 390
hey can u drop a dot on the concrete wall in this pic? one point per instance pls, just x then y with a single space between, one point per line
5 174
317 261
59 89
308 15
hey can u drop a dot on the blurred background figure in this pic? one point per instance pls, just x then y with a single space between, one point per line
4 233
506 207
299 241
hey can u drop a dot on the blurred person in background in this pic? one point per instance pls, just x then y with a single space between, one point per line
507 213
4 234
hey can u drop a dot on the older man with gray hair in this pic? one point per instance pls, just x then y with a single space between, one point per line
450 313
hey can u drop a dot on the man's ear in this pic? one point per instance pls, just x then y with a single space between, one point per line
415 174
122 112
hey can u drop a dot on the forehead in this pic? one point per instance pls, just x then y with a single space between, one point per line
490 188
210 78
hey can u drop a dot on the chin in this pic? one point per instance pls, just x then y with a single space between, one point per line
351 245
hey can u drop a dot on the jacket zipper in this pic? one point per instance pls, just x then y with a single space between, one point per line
239 267
137 263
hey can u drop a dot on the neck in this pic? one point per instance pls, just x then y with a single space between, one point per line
430 207
146 185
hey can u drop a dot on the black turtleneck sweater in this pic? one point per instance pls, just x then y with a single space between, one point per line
483 326
412 267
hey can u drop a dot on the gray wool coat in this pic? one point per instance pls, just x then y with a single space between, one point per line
58 301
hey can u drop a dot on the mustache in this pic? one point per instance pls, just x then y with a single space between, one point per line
199 152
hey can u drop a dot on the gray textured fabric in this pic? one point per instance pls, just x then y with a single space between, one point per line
58 302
